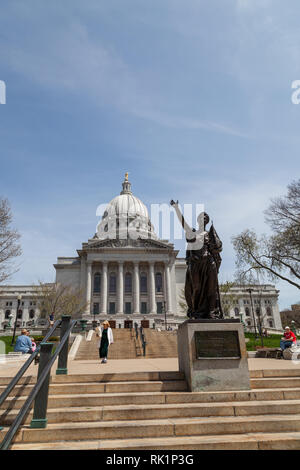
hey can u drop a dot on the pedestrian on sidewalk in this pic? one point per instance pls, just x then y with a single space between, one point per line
106 338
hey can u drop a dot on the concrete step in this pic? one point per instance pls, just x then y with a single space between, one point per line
78 397
96 388
278 382
66 410
160 428
104 377
274 373
251 441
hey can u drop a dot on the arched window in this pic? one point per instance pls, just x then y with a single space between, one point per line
158 282
20 314
236 312
112 283
97 283
269 311
247 311
128 283
270 323
31 314
143 285
7 313
257 311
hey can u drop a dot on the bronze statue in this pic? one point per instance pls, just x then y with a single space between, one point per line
203 262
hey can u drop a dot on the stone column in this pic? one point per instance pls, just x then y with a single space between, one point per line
88 286
136 288
120 289
152 288
82 273
168 288
104 288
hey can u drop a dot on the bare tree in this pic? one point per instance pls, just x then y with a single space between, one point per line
228 297
276 256
59 299
9 246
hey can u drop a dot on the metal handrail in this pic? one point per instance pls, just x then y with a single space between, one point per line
23 411
25 366
142 335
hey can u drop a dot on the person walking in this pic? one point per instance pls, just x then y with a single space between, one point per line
51 320
106 338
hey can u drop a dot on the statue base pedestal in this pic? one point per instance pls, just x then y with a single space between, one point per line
213 356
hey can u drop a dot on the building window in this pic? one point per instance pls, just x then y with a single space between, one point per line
7 313
269 311
128 283
144 308
97 283
143 286
31 314
20 314
159 307
236 312
158 282
128 308
247 312
113 283
112 308
257 311
270 323
96 308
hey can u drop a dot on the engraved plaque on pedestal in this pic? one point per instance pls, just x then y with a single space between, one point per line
217 345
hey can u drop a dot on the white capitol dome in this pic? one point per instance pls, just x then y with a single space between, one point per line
125 215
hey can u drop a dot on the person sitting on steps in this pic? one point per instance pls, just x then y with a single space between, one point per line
289 339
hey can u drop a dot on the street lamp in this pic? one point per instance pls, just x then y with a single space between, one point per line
16 319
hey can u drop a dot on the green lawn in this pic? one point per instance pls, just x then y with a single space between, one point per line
271 342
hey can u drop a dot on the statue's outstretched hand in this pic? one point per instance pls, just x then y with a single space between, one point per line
173 203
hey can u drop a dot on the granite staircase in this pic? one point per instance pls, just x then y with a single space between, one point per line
124 346
153 410
160 343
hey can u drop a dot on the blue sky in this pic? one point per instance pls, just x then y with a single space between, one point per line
192 98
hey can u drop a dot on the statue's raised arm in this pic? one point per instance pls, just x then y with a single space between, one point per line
181 219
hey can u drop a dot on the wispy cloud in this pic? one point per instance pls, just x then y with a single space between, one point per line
71 61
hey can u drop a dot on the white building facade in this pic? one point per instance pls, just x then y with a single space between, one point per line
128 279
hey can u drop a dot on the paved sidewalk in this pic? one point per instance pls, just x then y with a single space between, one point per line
138 365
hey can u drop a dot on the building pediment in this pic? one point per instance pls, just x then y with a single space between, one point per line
128 243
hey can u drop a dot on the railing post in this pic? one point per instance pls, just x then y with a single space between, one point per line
41 401
63 355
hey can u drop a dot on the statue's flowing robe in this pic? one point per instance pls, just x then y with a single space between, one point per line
203 263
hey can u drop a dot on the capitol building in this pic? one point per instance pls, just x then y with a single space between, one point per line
128 275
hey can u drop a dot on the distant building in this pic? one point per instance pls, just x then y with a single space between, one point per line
287 316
